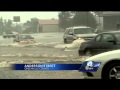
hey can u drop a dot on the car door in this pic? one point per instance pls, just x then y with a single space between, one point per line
95 44
70 35
117 42
105 44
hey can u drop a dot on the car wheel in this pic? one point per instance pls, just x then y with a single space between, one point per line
88 52
65 41
112 71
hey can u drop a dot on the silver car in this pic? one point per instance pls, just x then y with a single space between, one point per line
74 33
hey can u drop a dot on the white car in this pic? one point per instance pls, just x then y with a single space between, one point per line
109 67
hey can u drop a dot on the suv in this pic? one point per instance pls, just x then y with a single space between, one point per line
74 33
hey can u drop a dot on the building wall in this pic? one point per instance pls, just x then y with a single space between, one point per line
110 22
99 22
111 13
48 28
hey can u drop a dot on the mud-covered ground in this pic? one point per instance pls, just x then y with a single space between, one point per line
49 48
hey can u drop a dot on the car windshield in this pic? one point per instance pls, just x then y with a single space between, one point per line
29 37
22 37
25 37
83 31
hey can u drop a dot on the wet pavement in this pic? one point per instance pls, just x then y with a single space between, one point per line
49 48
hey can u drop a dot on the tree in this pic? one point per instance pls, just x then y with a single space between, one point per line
27 26
9 23
34 23
7 26
64 19
31 26
98 12
84 19
1 25
73 18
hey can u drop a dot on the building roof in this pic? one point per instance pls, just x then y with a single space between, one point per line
112 32
110 13
48 21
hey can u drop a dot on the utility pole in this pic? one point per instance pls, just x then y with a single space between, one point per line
99 22
87 18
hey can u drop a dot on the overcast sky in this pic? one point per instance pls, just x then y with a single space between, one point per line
27 15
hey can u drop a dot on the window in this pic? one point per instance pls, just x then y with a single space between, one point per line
10 33
97 39
29 37
66 31
107 37
17 37
83 31
117 35
70 30
22 37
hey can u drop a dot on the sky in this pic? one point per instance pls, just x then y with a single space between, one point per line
24 16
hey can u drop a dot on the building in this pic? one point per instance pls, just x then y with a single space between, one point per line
48 25
108 20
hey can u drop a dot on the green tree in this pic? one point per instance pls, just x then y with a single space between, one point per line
98 12
31 26
1 25
9 23
64 19
84 19
7 26
34 23
27 26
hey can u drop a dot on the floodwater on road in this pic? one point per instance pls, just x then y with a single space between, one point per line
49 48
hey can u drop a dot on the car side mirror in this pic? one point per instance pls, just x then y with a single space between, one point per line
70 33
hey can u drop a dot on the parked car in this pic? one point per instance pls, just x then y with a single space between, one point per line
109 67
10 35
103 42
24 39
74 33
